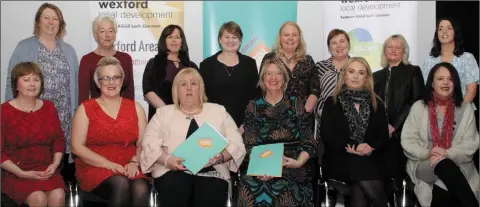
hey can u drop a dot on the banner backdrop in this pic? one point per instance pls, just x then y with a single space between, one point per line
369 23
259 21
140 24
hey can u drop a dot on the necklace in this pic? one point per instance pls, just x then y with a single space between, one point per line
30 109
288 60
190 112
229 72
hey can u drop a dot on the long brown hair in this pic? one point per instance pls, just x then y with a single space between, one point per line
368 85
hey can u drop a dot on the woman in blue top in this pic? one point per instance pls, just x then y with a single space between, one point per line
448 47
57 60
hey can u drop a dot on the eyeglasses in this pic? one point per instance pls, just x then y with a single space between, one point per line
107 79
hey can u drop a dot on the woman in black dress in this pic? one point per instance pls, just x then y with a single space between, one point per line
159 73
354 131
230 77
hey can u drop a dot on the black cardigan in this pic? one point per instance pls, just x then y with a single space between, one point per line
334 133
153 79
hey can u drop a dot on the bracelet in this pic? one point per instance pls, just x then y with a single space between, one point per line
134 161
166 159
223 158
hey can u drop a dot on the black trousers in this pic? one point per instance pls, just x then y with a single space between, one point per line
179 189
459 192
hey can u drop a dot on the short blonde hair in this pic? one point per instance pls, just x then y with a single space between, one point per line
106 61
406 50
99 19
280 66
179 77
61 30
301 50
368 86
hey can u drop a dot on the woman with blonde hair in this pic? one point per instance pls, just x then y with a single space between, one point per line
399 84
290 48
355 134
170 126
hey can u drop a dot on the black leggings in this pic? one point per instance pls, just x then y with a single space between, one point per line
459 192
367 192
121 191
179 189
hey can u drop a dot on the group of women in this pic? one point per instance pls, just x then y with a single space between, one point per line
370 127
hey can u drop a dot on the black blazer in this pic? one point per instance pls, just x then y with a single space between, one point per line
334 133
153 79
405 88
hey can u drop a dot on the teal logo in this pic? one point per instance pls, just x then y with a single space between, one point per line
363 45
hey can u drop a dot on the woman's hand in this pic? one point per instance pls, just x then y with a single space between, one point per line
310 103
175 163
438 151
364 148
33 175
291 163
115 167
131 169
435 159
215 160
50 170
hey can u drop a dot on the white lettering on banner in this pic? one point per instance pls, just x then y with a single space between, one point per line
140 24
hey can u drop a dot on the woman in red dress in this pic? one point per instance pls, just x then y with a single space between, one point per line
32 142
105 136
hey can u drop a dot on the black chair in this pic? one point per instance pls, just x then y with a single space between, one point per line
8 202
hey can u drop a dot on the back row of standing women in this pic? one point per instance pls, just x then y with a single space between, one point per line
231 78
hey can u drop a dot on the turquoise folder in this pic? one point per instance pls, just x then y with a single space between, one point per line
266 160
202 145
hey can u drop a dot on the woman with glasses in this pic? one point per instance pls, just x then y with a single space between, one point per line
106 132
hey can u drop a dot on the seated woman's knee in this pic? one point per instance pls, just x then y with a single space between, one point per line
37 198
56 197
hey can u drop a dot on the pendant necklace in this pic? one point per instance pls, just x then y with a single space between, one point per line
288 60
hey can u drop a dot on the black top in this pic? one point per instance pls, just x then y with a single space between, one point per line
405 87
337 162
232 87
158 77
304 78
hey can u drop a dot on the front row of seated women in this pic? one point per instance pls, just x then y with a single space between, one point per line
114 146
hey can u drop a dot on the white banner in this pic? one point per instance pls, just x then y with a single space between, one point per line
369 23
140 24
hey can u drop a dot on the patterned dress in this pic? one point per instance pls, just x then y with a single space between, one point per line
304 78
113 139
285 123
29 140
56 73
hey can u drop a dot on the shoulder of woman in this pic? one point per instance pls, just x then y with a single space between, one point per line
214 108
122 55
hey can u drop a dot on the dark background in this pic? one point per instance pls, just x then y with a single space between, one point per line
467 15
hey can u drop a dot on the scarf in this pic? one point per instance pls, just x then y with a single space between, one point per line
442 140
357 121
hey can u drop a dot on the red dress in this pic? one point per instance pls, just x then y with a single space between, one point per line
29 140
114 139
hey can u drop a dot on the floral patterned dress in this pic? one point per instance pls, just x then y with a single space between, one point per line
288 123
